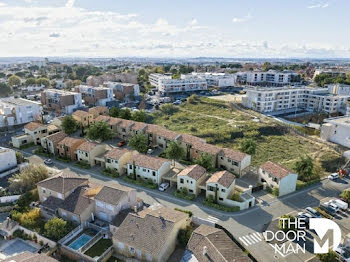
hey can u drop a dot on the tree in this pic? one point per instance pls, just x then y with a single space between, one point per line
139 142
328 257
5 90
69 125
99 131
28 178
30 218
114 111
14 81
125 114
304 167
248 146
56 228
174 151
30 81
346 195
169 109
43 81
19 157
192 99
76 82
139 116
205 160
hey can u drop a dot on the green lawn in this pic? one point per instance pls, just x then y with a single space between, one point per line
274 141
101 246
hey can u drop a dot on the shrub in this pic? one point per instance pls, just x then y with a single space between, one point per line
210 202
26 146
40 151
56 228
184 235
64 159
110 172
346 195
184 194
83 164
236 197
141 182
190 214
323 213
302 184
275 192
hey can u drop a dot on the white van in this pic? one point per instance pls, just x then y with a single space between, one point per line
341 204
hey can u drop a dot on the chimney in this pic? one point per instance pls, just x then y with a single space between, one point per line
135 209
205 250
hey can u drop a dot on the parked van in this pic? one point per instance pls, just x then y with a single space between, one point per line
341 204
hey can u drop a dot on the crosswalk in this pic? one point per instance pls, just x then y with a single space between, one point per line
251 238
213 219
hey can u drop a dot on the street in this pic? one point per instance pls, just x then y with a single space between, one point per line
245 225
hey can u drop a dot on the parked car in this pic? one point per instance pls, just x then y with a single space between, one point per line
341 204
48 162
305 216
163 186
328 209
329 204
343 253
313 212
333 176
121 143
150 151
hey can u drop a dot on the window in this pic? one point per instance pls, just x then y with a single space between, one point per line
210 188
108 160
130 166
221 199
44 191
132 250
223 190
181 180
154 173
86 154
190 190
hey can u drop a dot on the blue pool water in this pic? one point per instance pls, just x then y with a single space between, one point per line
81 241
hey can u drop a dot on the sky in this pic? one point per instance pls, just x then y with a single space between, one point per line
176 28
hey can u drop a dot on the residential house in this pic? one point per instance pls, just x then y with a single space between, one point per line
279 177
124 91
83 118
233 161
209 244
68 147
50 143
148 167
8 159
36 131
223 183
337 130
190 178
124 128
88 151
199 149
117 158
61 101
95 96
138 128
149 235
98 111
109 201
164 137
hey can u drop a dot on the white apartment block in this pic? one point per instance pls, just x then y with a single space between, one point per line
217 79
97 96
187 83
337 130
339 89
270 78
333 72
272 99
155 78
17 111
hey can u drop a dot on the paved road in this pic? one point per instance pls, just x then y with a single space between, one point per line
240 224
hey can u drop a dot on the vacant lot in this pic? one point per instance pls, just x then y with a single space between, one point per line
222 125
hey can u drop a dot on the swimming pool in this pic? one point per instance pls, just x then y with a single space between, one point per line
81 241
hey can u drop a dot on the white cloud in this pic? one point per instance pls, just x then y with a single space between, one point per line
70 3
193 22
318 5
242 19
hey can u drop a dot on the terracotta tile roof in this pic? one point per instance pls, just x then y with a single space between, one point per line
138 126
126 123
98 110
219 247
102 118
78 201
153 128
51 128
150 162
117 153
193 171
166 212
56 137
170 135
207 148
80 113
233 154
33 125
223 178
114 121
87 146
149 233
113 195
70 141
275 169
63 182
189 139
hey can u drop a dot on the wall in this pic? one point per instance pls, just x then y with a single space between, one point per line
9 199
288 184
45 240
7 159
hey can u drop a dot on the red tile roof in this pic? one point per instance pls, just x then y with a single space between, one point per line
275 169
223 178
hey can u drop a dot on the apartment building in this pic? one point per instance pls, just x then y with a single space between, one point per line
95 96
61 101
8 159
337 130
187 83
17 111
269 78
219 80
333 72
339 89
124 91
274 99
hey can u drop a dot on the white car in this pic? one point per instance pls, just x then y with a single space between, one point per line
163 186
332 206
333 176
343 253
